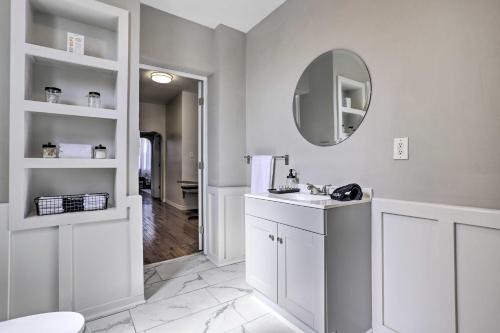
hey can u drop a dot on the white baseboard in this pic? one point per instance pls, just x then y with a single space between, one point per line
107 309
220 263
280 313
178 206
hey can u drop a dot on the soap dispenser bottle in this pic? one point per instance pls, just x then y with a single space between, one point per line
292 182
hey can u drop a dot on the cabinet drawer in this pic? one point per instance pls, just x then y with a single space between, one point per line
306 218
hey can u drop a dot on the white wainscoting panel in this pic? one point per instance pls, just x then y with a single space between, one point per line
106 278
34 272
225 227
478 278
435 268
93 268
4 261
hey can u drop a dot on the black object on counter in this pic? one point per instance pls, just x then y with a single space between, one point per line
347 193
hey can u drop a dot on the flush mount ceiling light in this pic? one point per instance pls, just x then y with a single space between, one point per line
162 78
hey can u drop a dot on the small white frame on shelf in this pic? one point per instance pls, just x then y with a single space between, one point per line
37 41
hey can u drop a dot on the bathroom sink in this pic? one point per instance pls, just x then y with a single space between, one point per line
303 197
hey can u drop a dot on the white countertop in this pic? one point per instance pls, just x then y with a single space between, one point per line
303 198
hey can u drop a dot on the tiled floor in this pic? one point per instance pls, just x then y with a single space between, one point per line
191 295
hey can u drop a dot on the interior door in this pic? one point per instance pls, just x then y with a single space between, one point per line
301 275
201 166
261 255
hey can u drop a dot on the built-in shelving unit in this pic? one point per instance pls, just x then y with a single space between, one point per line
353 111
41 60
350 116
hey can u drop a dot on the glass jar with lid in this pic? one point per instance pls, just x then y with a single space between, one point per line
292 182
49 150
94 99
100 152
52 94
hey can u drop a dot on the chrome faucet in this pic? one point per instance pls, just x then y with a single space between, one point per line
317 191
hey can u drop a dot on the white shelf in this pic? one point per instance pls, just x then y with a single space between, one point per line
55 57
38 59
34 221
69 110
69 163
353 111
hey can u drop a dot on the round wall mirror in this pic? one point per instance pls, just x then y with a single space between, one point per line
332 97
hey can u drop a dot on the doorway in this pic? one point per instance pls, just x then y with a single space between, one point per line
171 163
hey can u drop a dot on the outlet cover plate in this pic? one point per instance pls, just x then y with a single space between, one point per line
401 149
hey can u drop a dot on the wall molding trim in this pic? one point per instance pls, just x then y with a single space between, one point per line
4 262
425 272
71 274
225 227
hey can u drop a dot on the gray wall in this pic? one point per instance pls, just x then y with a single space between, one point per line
4 98
180 139
174 150
435 68
152 118
172 42
189 136
226 118
175 43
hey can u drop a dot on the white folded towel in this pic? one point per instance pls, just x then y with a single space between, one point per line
68 150
93 202
262 170
50 210
50 202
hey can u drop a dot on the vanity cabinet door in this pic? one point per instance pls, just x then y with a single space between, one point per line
261 255
301 275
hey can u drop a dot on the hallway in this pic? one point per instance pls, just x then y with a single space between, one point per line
168 231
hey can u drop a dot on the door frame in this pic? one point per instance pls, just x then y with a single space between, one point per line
202 153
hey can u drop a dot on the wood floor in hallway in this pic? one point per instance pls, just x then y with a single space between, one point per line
168 233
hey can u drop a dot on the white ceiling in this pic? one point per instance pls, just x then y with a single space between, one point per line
242 15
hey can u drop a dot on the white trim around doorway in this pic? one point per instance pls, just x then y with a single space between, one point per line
204 184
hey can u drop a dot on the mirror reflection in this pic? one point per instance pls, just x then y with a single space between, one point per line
332 97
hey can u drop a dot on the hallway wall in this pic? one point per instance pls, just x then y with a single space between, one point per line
152 118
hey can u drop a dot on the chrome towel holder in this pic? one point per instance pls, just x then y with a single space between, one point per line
283 157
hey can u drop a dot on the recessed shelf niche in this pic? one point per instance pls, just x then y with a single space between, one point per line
76 81
48 21
42 128
48 182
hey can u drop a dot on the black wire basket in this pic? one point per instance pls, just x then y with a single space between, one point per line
71 203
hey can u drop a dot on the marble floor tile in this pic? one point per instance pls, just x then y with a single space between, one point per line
269 324
250 308
239 329
149 315
223 274
214 320
174 287
117 323
151 276
184 266
227 291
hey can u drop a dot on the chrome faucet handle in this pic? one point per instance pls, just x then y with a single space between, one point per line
326 189
313 189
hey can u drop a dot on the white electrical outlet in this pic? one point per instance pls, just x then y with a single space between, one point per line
401 149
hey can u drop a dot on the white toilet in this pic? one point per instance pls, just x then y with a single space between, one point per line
53 322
